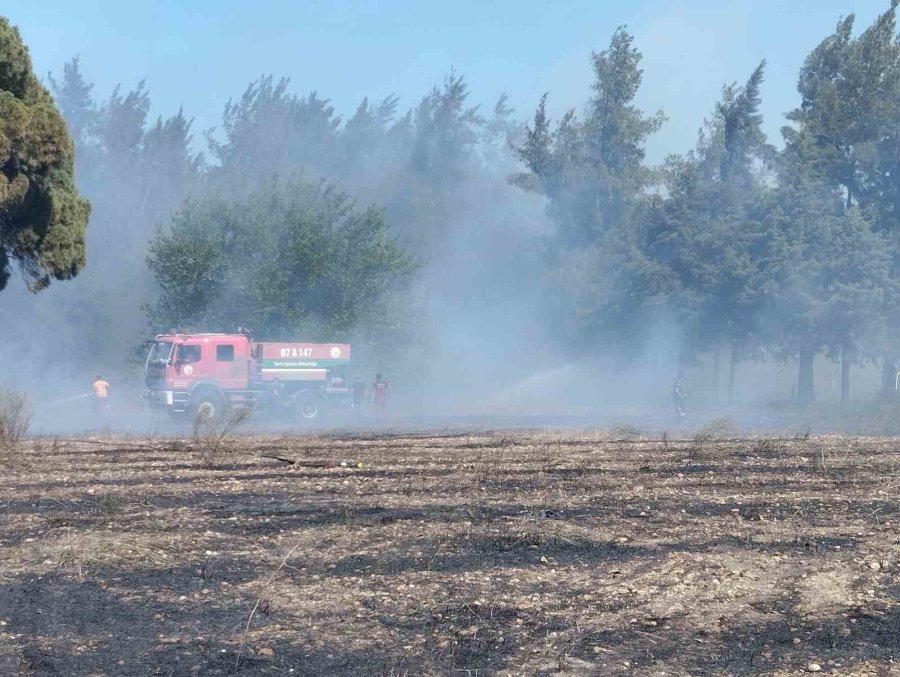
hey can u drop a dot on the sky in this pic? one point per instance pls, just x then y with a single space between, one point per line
199 53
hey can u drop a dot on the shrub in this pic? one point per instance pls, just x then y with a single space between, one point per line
15 418
709 435
211 437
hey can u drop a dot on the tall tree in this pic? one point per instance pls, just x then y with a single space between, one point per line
722 261
593 173
845 131
440 164
288 259
710 228
42 216
739 122
845 86
835 284
135 176
593 170
169 166
269 132
73 96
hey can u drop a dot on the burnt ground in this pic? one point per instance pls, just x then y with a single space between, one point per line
585 552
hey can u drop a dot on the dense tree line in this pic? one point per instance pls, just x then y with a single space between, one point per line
556 228
786 254
424 172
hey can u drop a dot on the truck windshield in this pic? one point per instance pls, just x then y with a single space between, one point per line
160 352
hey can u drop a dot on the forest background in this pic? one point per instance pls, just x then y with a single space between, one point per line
461 248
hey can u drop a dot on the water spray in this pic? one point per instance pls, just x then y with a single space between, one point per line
58 403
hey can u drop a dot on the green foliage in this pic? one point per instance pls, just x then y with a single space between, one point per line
732 244
135 172
836 285
269 132
844 138
601 288
848 85
740 124
290 259
42 217
73 97
592 170
710 232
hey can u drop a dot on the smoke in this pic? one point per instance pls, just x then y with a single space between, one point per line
481 340
439 171
486 323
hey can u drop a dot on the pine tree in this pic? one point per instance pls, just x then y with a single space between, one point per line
73 97
592 171
42 216
835 283
845 134
270 133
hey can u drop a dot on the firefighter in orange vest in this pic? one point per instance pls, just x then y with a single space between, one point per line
101 396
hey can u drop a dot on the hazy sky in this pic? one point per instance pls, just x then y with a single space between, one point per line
199 53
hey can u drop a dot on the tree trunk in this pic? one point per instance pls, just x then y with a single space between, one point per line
888 375
731 373
805 388
846 359
717 369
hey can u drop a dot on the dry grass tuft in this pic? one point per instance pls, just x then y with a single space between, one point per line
707 438
15 419
623 431
768 447
211 437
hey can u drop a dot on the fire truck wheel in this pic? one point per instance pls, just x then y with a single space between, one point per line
309 407
207 405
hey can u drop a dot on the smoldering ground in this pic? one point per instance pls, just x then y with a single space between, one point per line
523 552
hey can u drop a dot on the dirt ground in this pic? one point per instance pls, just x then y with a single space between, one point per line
524 552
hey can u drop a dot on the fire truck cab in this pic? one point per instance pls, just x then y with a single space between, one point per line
206 374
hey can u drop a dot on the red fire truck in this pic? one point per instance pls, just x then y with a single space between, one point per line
205 374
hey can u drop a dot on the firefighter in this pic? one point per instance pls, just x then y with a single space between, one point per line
680 398
100 390
381 391
359 395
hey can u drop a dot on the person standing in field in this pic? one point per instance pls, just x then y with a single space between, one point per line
680 397
101 396
381 392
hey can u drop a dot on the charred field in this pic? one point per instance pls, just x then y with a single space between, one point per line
509 552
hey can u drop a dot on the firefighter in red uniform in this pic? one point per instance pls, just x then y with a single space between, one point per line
381 391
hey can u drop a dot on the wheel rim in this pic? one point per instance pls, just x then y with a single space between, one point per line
206 410
309 409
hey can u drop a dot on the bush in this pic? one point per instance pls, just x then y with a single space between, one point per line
709 435
15 418
211 437
293 257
